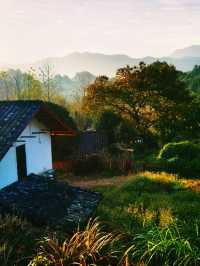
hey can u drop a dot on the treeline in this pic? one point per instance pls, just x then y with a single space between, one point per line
16 85
42 84
155 102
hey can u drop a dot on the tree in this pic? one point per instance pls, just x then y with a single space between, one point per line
47 76
108 122
18 83
191 124
192 79
5 84
151 97
32 88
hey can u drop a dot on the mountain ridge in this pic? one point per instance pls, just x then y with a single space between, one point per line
190 51
107 64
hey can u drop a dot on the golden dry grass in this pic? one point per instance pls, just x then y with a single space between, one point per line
162 176
193 184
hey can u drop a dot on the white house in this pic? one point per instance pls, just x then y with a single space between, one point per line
26 128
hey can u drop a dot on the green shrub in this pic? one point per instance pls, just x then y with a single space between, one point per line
182 158
184 150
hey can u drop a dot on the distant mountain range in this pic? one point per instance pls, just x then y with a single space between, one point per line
191 51
101 64
73 72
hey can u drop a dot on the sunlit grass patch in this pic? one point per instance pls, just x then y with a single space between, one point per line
193 184
138 211
166 217
161 213
149 198
162 176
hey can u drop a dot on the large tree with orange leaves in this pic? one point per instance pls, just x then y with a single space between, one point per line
151 97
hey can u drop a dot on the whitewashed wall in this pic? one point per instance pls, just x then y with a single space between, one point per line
38 155
8 168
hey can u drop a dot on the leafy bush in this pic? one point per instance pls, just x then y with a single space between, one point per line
108 122
184 150
181 158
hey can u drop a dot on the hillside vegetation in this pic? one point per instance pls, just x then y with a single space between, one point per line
148 219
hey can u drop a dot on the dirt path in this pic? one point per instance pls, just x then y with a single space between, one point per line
192 184
99 182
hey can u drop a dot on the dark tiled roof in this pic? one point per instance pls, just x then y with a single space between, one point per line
14 117
69 206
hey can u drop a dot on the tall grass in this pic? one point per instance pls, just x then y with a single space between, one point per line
149 198
166 247
92 246
159 213
16 240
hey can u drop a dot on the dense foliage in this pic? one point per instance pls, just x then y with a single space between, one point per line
181 158
116 128
192 79
185 150
151 97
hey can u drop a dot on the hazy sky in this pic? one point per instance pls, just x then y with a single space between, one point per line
34 29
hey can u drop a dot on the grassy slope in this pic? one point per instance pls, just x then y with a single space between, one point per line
149 199
158 216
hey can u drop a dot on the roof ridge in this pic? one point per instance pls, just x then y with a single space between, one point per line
21 101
